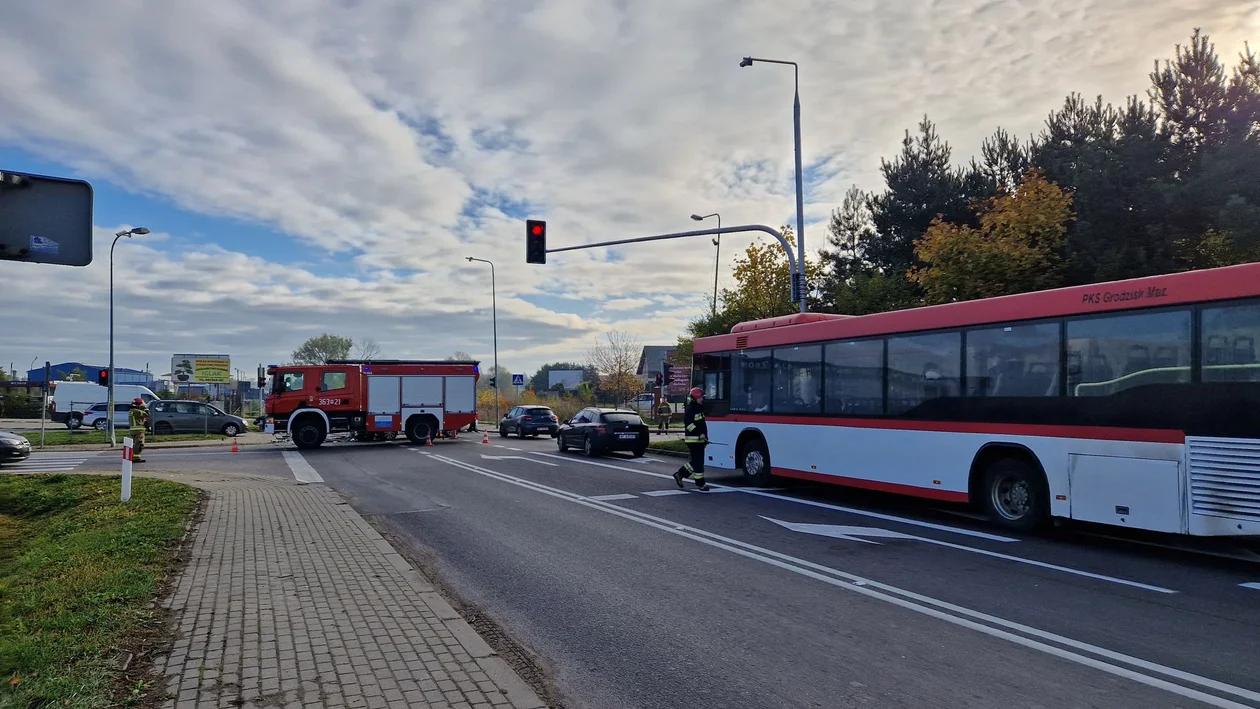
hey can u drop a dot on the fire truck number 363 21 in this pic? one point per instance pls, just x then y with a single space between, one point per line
330 402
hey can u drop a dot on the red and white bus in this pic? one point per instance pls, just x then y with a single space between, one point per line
1134 403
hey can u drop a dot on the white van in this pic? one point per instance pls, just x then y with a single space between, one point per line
71 399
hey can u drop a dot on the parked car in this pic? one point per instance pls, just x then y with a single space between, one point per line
95 416
70 400
529 421
596 430
193 417
13 448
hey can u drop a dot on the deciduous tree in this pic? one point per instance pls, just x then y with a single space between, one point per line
318 350
1015 249
616 358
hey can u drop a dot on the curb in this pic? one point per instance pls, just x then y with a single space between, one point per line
102 447
514 688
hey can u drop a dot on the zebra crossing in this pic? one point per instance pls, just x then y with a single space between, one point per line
49 462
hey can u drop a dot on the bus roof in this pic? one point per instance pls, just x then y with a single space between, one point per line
1211 284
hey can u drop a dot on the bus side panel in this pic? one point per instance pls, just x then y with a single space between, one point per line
933 464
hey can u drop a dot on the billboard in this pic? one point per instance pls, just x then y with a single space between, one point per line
570 378
679 375
201 369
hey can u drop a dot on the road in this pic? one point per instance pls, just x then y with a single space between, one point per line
636 595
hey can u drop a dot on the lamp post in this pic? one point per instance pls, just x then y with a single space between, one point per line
494 319
141 231
798 287
717 257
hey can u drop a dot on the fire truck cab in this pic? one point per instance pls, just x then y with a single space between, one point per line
419 398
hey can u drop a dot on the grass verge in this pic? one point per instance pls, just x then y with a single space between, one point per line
79 573
673 445
67 438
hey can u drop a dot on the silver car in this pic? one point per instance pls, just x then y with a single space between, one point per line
193 417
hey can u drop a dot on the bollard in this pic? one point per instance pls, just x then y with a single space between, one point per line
127 455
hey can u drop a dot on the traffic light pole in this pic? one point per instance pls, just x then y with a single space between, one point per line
794 265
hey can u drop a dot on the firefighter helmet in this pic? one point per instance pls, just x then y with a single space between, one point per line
697 392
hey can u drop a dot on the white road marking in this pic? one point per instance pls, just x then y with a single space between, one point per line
1251 584
851 533
513 449
611 498
49 463
302 470
516 457
1000 628
761 492
664 493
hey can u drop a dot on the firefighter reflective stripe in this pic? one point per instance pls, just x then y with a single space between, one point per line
699 416
687 466
691 426
692 439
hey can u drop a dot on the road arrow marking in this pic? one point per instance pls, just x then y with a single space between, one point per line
516 457
856 533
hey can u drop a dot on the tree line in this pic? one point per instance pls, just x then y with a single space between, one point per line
1165 183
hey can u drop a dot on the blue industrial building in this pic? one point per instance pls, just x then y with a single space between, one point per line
122 375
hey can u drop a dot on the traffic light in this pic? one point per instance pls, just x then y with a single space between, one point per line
535 241
102 377
492 380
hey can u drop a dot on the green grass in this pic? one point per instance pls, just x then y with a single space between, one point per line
673 444
66 438
79 571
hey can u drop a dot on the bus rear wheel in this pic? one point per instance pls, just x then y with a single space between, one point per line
1014 495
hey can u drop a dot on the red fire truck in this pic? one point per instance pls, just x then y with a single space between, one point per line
372 399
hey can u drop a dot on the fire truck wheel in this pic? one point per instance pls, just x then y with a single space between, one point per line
309 433
418 430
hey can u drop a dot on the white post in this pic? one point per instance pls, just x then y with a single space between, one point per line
126 468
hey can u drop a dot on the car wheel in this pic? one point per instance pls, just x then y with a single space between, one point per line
163 428
638 452
100 424
561 444
231 430
520 433
502 431
588 447
74 422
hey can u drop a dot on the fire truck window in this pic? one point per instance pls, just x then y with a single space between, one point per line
334 380
294 381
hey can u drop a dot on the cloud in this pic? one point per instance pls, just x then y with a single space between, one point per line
392 139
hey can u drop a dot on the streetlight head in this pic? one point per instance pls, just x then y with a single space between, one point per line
697 217
747 61
140 230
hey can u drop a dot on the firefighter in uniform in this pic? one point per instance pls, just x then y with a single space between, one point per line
696 436
139 419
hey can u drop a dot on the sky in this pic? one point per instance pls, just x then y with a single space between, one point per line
311 166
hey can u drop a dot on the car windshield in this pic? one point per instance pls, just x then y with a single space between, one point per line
618 417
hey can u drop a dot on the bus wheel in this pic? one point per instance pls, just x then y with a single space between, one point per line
1014 495
756 462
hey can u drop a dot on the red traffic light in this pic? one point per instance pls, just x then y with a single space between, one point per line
535 241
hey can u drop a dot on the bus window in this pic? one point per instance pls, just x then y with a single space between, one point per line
798 379
1014 360
1228 347
922 367
751 381
711 373
855 377
1110 354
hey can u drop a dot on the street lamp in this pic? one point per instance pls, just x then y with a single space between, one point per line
494 319
798 288
717 258
140 231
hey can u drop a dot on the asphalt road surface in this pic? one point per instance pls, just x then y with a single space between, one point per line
635 594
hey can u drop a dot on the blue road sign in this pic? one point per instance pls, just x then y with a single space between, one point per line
518 380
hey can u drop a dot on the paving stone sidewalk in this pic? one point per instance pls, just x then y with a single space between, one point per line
291 599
